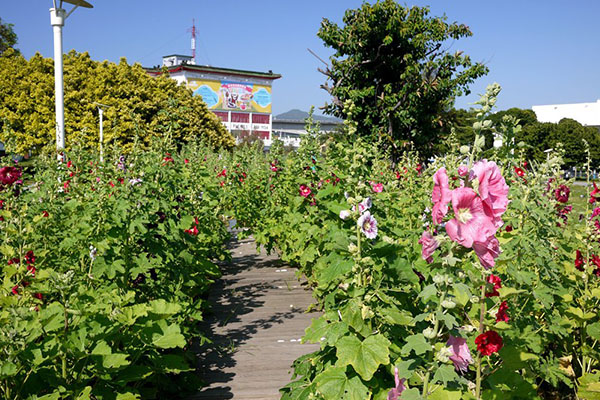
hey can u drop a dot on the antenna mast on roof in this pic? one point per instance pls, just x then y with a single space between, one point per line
193 31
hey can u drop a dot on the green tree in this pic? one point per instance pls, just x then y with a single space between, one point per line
390 62
570 133
8 38
141 107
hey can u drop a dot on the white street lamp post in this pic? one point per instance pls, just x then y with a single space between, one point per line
101 112
57 19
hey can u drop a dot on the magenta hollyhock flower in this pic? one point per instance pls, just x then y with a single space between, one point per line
304 191
463 170
377 187
368 225
561 194
440 196
461 356
593 195
395 393
472 221
487 251
9 175
429 245
492 188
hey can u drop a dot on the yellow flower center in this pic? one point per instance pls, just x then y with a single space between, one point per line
464 215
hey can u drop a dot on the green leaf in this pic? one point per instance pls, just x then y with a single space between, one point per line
85 393
508 291
444 394
115 360
162 307
334 384
416 343
397 317
589 387
128 396
445 374
170 338
8 369
365 356
102 349
593 330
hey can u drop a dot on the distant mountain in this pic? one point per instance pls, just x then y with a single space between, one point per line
299 115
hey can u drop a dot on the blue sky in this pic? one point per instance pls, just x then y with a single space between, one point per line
541 52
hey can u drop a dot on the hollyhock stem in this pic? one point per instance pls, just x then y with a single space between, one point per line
436 326
360 281
481 329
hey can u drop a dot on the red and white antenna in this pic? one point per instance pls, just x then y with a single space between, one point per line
193 31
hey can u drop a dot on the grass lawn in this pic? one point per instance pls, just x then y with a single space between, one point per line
578 198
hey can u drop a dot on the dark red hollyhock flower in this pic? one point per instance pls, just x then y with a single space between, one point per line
38 296
193 231
29 257
501 315
15 290
562 194
69 164
519 172
525 164
167 158
222 173
111 184
31 270
121 180
508 228
1 204
579 261
595 194
186 161
596 261
304 191
13 261
419 169
9 175
488 343
45 214
497 282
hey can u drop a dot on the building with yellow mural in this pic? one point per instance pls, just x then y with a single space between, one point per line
242 99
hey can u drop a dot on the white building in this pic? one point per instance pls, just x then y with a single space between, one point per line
587 114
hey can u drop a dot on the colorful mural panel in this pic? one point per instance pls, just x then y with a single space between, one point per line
233 96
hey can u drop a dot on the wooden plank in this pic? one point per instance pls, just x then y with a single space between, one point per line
257 318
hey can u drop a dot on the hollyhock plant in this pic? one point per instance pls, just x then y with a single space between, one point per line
461 356
396 392
9 175
368 225
488 343
429 245
501 315
493 189
472 221
304 191
440 196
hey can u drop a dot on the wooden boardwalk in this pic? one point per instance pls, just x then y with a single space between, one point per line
258 317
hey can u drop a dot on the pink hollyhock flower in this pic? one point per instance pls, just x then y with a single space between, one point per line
461 355
395 393
487 251
472 221
492 188
304 191
595 213
463 170
344 214
377 187
440 196
368 225
186 161
501 315
363 205
429 245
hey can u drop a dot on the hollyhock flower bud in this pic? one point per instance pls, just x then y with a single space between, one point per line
461 356
448 304
344 214
429 333
463 170
396 392
488 343
429 245
365 205
579 261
